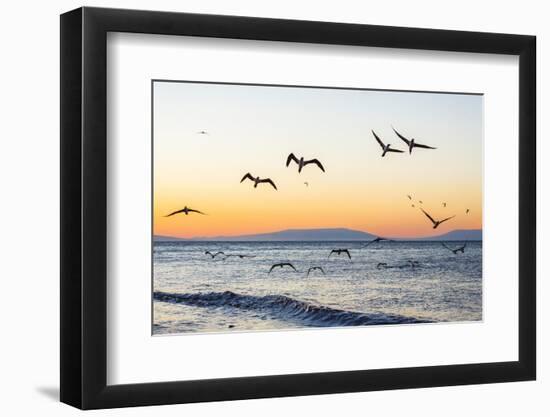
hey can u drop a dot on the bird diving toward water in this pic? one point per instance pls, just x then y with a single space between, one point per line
313 268
339 252
302 163
455 251
281 265
411 143
435 223
385 148
377 239
213 255
186 210
257 180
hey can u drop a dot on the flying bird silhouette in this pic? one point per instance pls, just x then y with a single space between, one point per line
467 211
257 180
339 252
444 204
435 223
377 239
202 132
213 255
302 163
412 205
313 268
455 251
409 197
186 210
281 265
306 183
411 142
381 265
420 202
240 256
385 148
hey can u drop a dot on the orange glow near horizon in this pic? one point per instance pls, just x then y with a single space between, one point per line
253 129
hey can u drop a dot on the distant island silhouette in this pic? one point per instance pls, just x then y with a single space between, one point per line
334 234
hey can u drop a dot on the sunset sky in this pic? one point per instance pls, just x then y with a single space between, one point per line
254 128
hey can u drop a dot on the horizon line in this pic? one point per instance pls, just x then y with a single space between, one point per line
245 235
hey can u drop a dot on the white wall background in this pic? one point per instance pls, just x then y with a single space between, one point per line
29 175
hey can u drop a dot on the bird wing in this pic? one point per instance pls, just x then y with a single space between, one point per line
446 247
316 162
444 220
403 138
196 211
273 267
428 216
331 252
368 243
269 181
247 175
394 150
419 145
378 140
208 253
175 212
309 270
218 253
291 157
321 269
292 266
347 252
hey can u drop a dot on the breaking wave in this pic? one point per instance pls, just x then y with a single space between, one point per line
284 308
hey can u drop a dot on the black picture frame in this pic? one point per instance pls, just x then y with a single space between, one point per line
84 207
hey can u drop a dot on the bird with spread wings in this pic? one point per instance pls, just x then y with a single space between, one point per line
411 142
435 223
385 148
281 265
313 268
339 252
186 210
302 162
258 180
455 251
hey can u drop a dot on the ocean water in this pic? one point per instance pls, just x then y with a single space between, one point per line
194 293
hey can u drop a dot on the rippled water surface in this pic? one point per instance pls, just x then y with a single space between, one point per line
195 293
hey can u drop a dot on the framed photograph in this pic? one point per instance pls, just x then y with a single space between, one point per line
259 208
